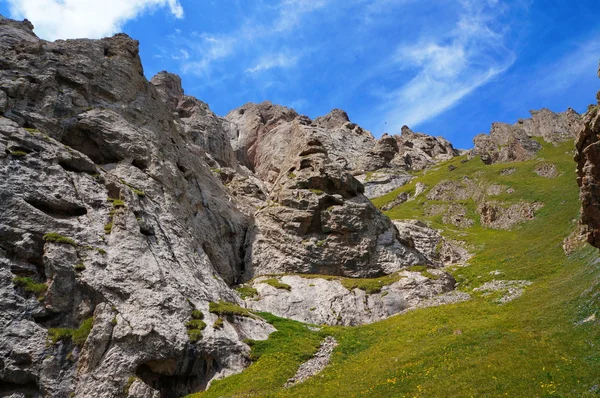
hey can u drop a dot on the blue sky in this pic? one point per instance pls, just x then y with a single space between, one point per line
443 67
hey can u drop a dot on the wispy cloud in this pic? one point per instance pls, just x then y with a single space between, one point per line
267 62
447 68
207 51
65 19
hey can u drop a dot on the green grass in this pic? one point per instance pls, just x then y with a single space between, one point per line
246 292
275 360
77 336
370 285
18 154
277 284
29 285
79 267
116 202
223 308
57 238
534 346
108 228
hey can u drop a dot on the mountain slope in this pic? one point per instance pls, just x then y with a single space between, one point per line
539 344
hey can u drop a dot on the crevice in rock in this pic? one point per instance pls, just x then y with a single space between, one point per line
174 378
17 390
140 164
57 210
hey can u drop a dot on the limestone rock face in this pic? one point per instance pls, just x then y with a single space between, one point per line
319 222
89 151
327 301
588 171
509 143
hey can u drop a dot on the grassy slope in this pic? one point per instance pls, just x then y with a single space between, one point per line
529 347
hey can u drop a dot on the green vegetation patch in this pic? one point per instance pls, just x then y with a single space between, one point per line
77 336
218 324
29 285
79 267
276 283
370 285
18 154
246 292
117 203
223 308
316 191
57 238
274 361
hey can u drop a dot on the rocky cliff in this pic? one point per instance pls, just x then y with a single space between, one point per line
588 171
129 211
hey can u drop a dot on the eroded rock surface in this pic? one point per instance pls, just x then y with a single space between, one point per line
326 301
90 151
509 143
588 171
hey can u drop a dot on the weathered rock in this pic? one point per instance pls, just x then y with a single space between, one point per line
327 301
401 198
381 182
418 150
167 242
454 214
430 242
509 290
546 170
588 171
316 364
319 222
508 143
496 215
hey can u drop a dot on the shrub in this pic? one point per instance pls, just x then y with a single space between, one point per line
277 284
197 314
57 238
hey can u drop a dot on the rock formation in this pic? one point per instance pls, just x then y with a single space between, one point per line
509 143
588 171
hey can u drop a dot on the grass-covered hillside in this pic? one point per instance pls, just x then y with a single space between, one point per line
545 343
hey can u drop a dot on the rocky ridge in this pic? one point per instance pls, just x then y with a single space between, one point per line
516 142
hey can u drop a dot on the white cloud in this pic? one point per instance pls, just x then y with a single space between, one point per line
207 50
268 62
447 68
64 19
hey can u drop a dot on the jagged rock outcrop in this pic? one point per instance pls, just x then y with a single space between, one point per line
319 221
509 143
144 233
587 157
430 242
418 150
